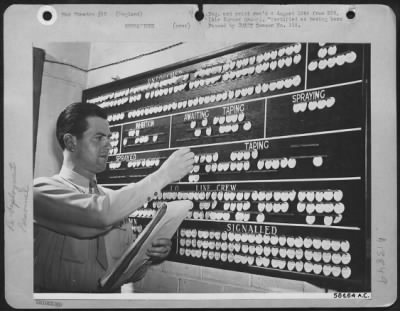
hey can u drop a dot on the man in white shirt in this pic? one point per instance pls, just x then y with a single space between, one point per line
81 228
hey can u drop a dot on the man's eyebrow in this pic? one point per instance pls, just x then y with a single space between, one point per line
103 134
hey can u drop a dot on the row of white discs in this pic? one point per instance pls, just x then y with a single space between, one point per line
320 208
222 129
298 266
256 195
165 91
143 139
320 195
278 84
339 60
224 166
115 102
263 67
245 217
112 95
244 155
245 71
240 63
116 117
138 97
145 213
162 83
268 207
233 118
141 88
234 156
133 133
327 50
209 215
317 256
204 82
250 60
312 105
291 241
239 216
206 157
243 92
276 163
151 162
114 165
328 220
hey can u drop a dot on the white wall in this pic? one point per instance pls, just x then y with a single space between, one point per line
172 277
61 86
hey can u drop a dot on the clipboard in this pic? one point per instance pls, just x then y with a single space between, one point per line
163 225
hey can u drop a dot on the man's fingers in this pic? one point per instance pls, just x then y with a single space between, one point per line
162 242
160 249
182 151
158 252
188 156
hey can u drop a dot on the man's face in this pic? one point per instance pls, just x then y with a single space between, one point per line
92 148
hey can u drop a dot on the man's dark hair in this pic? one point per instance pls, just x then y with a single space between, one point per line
73 120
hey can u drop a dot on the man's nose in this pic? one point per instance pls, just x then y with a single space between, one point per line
108 143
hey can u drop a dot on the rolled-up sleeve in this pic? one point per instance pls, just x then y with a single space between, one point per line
56 204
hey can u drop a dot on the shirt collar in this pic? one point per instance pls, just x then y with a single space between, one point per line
74 177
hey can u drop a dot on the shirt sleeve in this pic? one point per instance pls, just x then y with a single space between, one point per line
55 203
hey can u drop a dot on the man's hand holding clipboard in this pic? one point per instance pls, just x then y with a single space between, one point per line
163 225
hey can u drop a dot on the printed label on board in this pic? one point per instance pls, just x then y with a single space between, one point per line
226 187
196 115
174 188
258 145
202 187
126 157
308 96
144 124
234 109
250 228
165 76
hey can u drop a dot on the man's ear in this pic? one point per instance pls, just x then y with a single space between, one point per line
70 142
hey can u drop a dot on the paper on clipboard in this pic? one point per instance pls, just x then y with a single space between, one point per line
163 225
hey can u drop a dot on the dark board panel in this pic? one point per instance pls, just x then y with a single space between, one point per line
280 133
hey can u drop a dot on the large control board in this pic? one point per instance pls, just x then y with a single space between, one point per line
280 133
